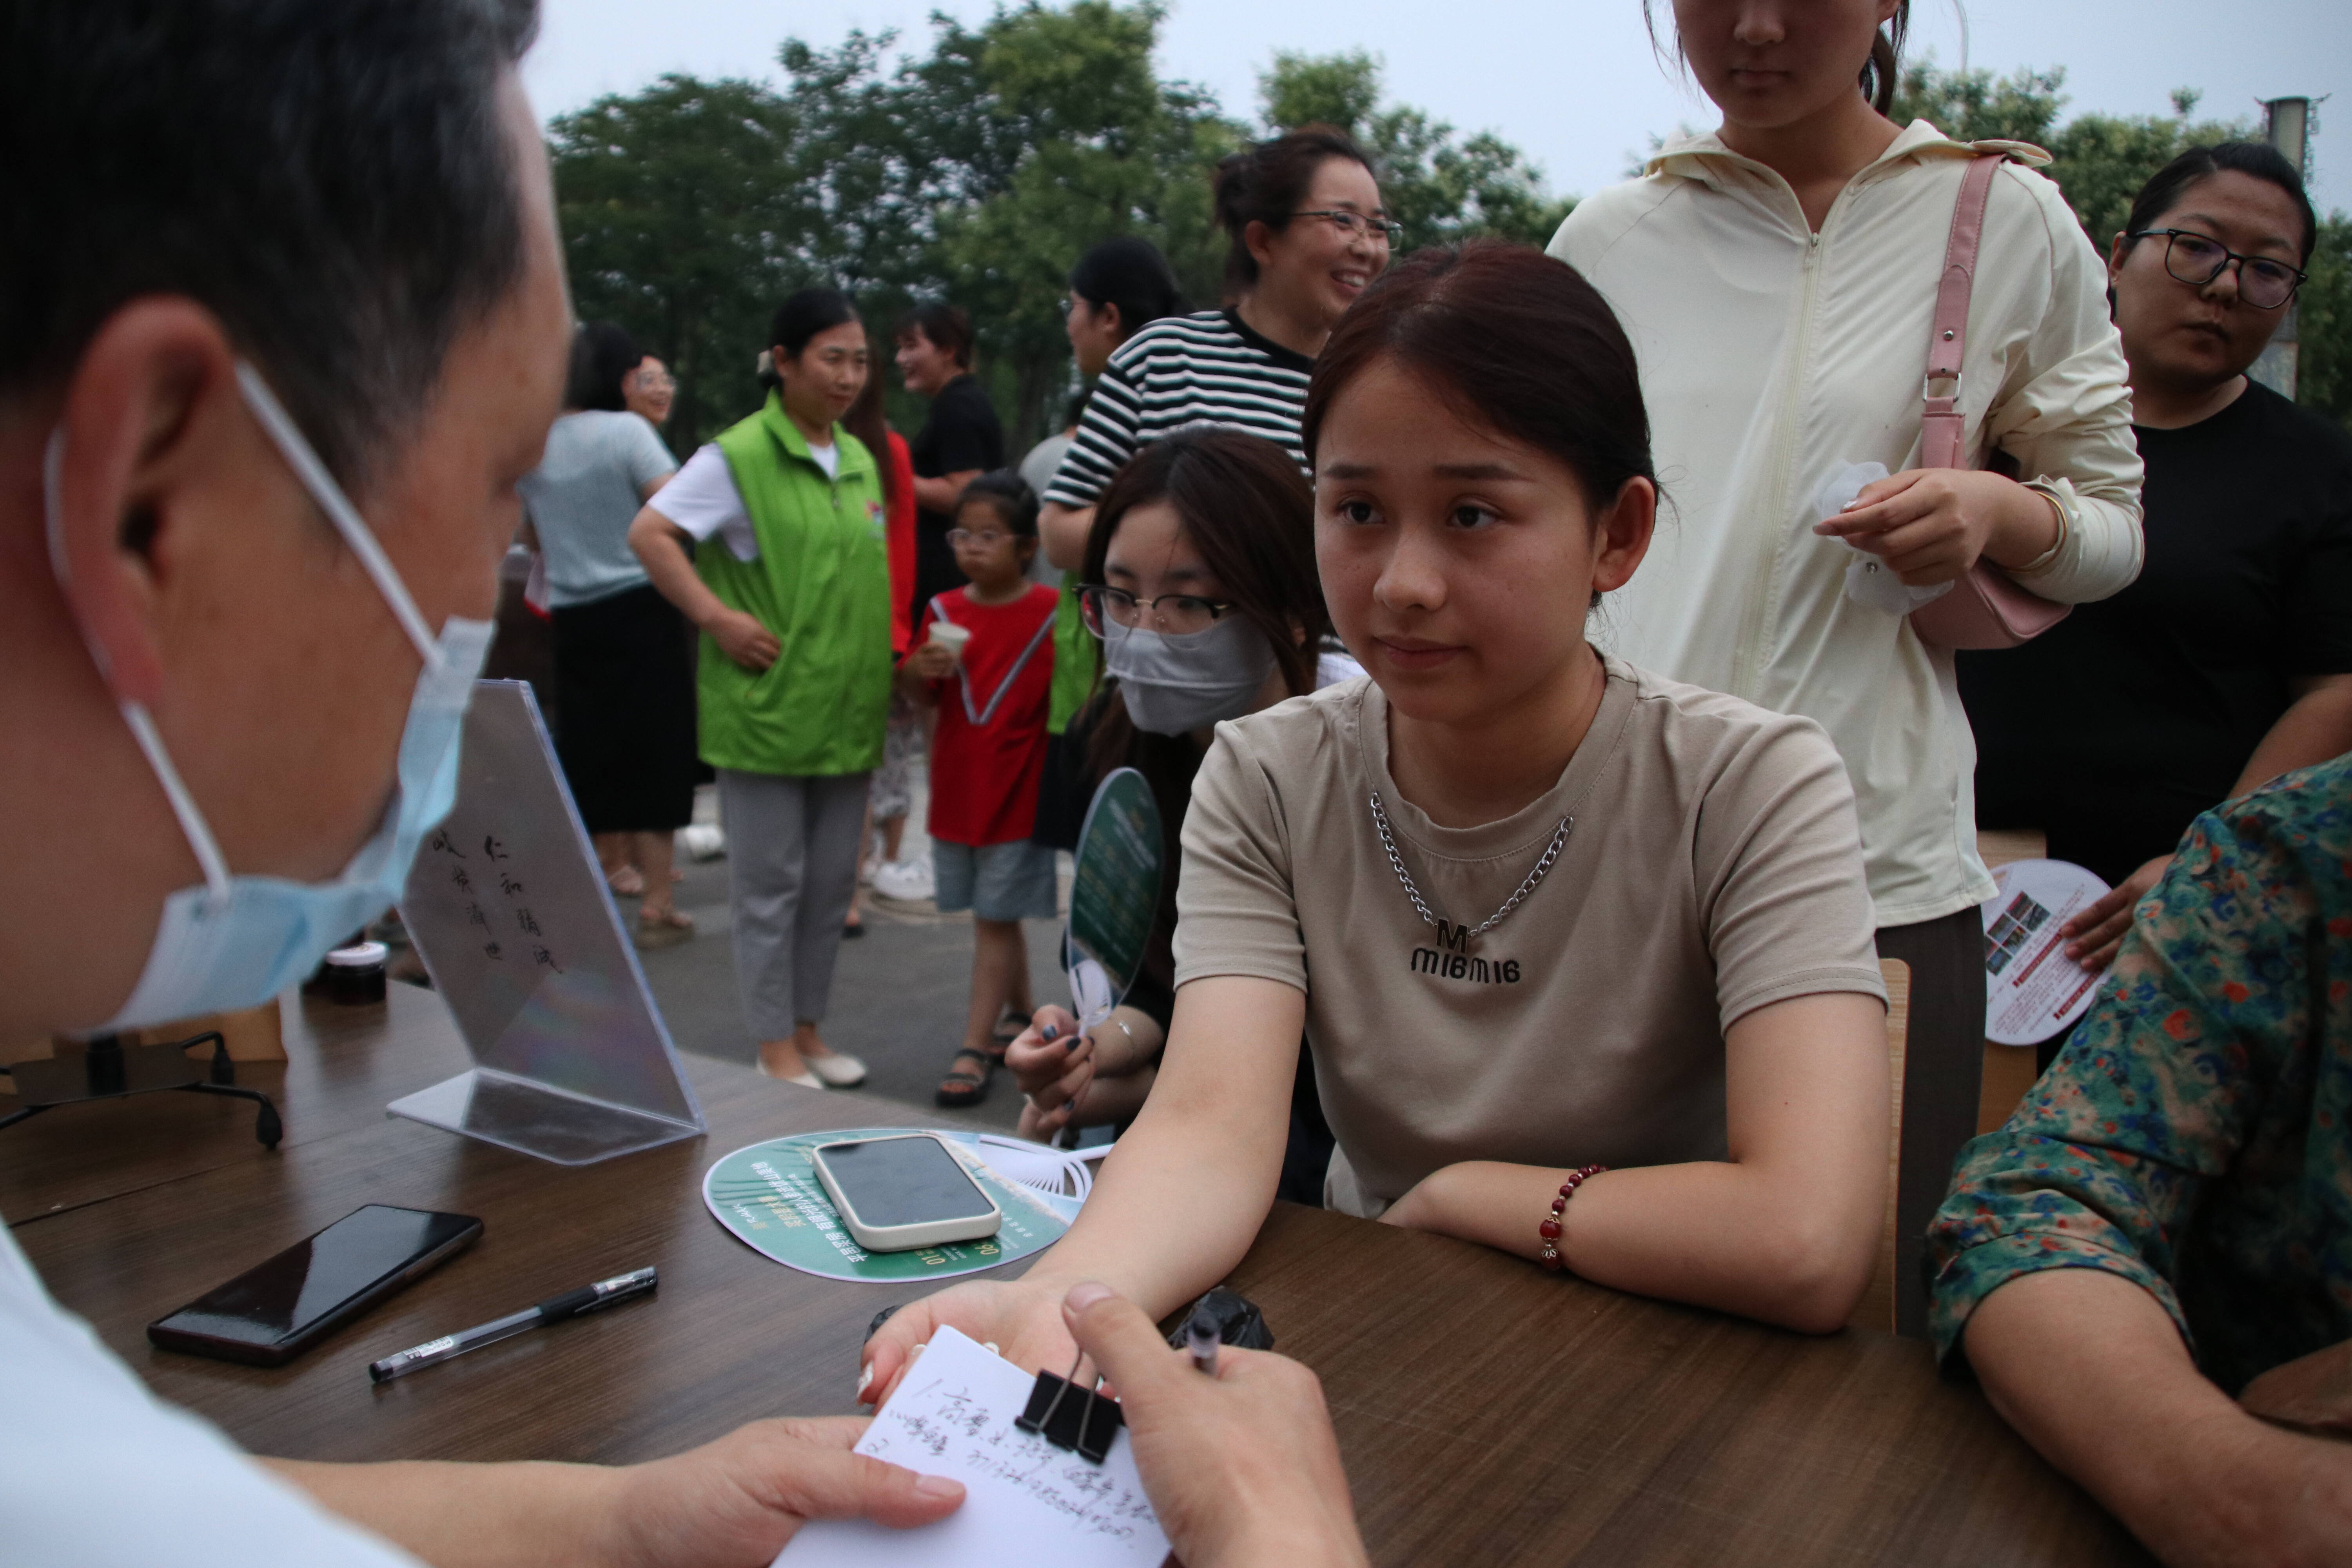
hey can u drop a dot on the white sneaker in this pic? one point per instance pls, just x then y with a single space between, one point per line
908 881
702 840
839 1070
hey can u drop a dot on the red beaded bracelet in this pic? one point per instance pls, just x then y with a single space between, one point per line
1549 1229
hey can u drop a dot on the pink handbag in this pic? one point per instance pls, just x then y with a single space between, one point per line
1985 609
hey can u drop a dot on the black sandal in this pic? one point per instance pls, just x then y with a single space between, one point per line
1009 1028
962 1090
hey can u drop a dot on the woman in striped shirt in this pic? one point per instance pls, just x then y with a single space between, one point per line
1308 233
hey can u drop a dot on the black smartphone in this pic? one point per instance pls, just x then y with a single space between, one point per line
271 1313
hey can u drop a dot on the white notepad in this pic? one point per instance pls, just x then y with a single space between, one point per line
1027 1504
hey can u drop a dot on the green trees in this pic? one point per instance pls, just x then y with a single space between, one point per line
2100 162
977 172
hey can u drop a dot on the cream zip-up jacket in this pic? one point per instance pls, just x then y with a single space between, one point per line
1771 357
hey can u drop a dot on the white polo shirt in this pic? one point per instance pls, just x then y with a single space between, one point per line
96 1472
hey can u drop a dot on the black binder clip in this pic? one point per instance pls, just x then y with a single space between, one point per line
1087 1426
1239 1322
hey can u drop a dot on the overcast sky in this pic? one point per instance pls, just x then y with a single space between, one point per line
1572 82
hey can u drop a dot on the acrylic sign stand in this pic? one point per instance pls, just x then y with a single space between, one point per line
509 911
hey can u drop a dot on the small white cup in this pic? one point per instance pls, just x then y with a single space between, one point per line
951 637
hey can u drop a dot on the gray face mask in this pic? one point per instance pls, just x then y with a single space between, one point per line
1173 685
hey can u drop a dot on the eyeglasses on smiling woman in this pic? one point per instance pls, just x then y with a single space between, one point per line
1356 225
2263 281
1174 613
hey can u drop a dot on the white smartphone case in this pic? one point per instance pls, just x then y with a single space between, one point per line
907 1237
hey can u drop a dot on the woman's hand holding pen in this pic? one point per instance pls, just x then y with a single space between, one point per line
1241 1463
1931 525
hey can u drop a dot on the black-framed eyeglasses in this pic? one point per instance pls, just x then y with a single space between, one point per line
1356 225
1175 614
2263 281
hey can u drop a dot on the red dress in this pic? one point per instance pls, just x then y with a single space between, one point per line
989 751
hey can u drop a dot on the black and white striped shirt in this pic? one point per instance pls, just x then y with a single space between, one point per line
1208 368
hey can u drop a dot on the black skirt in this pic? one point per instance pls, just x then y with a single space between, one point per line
625 706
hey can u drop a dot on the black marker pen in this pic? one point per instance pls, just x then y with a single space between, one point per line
587 1298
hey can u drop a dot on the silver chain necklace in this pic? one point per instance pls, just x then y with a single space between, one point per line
1543 864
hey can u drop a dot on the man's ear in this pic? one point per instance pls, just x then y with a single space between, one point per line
144 414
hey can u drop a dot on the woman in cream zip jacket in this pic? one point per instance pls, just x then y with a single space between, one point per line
1782 330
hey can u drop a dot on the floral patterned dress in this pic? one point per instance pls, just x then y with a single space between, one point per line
2191 1137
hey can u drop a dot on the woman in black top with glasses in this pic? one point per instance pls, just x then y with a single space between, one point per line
2229 660
1306 232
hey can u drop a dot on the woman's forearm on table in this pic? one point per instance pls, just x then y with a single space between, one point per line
1709 1233
2092 1371
1183 1194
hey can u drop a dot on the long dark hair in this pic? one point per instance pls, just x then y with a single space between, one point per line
2257 160
1131 274
1265 184
602 357
1514 338
1250 514
865 421
1880 73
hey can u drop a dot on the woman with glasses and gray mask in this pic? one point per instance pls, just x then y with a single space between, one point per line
2229 662
1306 232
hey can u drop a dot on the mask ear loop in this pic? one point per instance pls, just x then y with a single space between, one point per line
299 456
192 825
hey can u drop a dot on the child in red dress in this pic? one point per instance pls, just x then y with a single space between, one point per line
987 756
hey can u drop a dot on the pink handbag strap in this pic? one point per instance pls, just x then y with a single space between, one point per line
1940 429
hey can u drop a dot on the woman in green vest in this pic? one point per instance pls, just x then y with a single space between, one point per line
770 540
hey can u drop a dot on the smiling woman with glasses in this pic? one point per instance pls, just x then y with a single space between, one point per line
1306 234
2230 659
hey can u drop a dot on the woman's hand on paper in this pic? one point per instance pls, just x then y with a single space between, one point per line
1052 1072
1021 1319
1930 525
2094 937
737 1501
1242 1466
744 638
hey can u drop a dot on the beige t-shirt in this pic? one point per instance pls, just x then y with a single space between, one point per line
1713 865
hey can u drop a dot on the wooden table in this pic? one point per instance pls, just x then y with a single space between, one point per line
1490 1413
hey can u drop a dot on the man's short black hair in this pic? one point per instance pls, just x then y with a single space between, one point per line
947 327
331 178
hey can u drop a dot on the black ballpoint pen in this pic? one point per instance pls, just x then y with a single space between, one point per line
588 1298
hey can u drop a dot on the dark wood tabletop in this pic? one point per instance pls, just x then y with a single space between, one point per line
1490 1413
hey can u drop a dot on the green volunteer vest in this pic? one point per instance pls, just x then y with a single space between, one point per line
1076 659
822 585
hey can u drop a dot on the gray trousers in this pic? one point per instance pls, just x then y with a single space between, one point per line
792 864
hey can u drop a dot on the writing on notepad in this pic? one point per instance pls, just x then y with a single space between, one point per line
1027 1504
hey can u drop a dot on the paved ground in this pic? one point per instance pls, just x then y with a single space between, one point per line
898 995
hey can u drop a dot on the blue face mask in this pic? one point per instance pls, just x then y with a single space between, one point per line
235 941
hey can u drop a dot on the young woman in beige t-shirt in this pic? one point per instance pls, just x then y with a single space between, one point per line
1482 473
